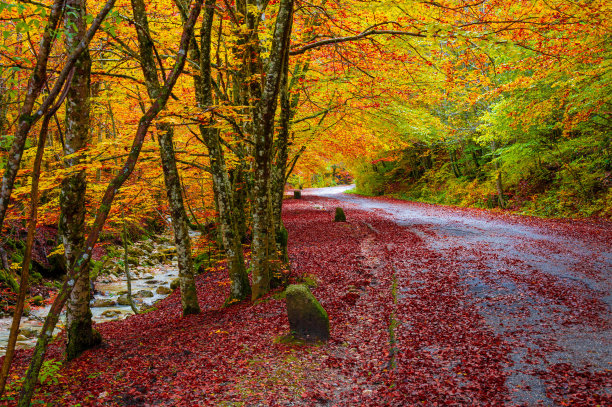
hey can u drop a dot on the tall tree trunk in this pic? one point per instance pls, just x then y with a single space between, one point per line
126 267
498 178
4 104
453 159
35 85
262 249
280 167
25 267
240 288
81 335
189 299
104 209
240 199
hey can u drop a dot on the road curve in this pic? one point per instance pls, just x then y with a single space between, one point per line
544 286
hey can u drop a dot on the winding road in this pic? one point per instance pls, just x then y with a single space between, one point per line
543 286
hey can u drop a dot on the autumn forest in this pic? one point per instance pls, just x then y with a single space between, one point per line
177 192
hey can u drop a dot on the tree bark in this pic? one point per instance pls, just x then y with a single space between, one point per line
35 84
126 267
81 335
498 179
280 169
25 267
239 288
189 299
4 104
104 209
262 248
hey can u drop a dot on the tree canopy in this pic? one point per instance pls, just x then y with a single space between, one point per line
200 113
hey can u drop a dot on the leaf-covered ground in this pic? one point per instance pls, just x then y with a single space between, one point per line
416 319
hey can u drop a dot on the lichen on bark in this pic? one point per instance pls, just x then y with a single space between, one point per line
180 224
81 335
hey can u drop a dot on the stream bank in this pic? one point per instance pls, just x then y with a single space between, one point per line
153 267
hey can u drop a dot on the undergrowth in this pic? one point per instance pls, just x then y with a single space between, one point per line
570 178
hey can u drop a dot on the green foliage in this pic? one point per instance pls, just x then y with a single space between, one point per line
329 176
49 372
7 279
309 280
201 262
370 179
544 174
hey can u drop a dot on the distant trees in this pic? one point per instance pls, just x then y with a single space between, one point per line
431 97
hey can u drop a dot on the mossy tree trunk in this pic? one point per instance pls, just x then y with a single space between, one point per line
38 79
35 85
4 104
189 299
263 247
25 266
81 335
172 180
240 201
240 288
103 211
126 268
279 171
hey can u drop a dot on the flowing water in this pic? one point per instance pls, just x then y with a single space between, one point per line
107 288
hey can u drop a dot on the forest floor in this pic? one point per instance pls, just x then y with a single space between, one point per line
428 305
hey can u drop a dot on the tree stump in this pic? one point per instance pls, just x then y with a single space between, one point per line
297 194
340 216
307 318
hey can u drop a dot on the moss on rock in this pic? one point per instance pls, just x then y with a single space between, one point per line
340 216
8 280
308 320
174 284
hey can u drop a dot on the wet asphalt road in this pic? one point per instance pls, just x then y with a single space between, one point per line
513 251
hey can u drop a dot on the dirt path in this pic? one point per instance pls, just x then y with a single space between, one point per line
543 288
428 306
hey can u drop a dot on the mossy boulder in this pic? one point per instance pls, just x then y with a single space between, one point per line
29 332
37 300
147 247
104 302
175 284
165 254
8 280
133 261
123 300
111 313
135 251
144 294
57 264
340 216
308 320
163 290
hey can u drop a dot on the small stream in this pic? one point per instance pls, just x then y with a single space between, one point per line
150 283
